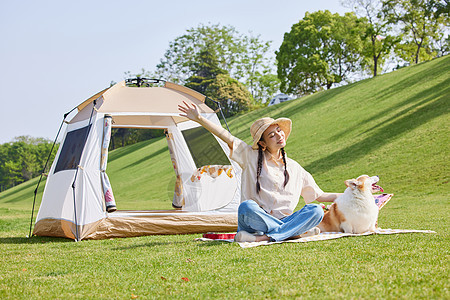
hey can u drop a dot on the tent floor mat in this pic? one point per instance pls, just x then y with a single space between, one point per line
168 212
121 224
138 223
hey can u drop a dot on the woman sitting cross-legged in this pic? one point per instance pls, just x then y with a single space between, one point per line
271 183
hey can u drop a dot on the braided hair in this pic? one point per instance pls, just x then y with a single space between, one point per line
258 170
286 174
259 167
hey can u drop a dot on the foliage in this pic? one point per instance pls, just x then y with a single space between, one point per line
210 80
245 58
423 25
23 159
321 50
233 95
255 70
121 137
205 70
182 55
268 85
378 39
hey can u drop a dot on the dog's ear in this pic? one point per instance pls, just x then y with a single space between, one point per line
351 183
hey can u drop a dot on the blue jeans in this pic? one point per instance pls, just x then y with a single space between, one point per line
253 219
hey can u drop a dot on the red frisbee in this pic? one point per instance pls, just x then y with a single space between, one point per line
219 236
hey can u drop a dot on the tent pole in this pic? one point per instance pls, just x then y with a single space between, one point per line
77 236
43 169
75 207
221 112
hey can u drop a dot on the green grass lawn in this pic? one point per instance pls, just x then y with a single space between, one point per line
395 125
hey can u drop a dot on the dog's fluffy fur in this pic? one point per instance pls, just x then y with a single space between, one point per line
354 211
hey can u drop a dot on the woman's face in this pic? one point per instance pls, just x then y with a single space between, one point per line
273 138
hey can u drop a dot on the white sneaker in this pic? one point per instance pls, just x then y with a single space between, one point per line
311 232
243 236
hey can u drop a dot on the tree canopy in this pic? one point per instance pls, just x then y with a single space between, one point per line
209 79
423 26
319 51
377 38
233 95
23 159
245 58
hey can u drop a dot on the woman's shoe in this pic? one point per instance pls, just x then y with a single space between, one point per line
311 232
243 236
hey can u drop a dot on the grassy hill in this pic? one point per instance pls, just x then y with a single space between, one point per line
395 125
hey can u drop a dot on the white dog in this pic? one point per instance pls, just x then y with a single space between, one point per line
354 211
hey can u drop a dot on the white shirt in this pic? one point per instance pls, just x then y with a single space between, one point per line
274 198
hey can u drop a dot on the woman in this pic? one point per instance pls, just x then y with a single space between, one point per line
271 183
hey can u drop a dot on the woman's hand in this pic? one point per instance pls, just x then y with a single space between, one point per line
328 197
190 112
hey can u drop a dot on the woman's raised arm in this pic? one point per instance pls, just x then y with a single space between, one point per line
192 113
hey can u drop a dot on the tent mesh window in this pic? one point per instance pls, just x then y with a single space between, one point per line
204 147
72 149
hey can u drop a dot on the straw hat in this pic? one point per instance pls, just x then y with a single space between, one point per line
260 125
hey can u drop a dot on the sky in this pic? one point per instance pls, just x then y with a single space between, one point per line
56 54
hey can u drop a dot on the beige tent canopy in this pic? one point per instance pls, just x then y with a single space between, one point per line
78 200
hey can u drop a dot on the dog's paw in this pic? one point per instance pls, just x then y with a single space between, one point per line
347 228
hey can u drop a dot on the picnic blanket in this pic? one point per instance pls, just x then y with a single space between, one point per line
380 200
320 237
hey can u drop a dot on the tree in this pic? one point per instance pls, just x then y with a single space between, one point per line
255 69
321 50
245 58
205 70
214 82
378 42
23 159
182 55
268 85
233 95
121 137
423 25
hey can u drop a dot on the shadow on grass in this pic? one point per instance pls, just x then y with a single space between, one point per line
33 240
383 135
417 77
22 186
19 191
439 90
241 127
166 243
149 245
213 243
123 151
147 158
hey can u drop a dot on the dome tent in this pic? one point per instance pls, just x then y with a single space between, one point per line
78 200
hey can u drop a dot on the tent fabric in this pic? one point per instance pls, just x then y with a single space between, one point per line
178 199
132 224
85 178
77 193
125 100
110 202
157 223
209 193
63 228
